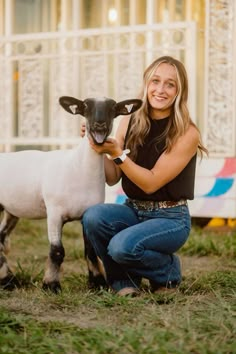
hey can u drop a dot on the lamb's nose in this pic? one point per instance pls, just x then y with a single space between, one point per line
99 126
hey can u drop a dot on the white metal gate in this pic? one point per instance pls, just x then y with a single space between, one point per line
36 69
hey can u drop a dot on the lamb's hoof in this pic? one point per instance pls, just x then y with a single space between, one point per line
97 282
9 283
54 287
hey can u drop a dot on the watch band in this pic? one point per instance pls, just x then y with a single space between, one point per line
120 159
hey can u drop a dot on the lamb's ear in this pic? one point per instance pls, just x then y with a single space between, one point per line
72 105
127 106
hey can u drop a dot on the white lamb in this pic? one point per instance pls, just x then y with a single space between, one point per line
58 185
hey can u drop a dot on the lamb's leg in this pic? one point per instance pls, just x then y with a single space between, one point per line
7 279
95 278
56 255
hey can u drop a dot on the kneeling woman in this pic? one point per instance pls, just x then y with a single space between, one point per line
139 238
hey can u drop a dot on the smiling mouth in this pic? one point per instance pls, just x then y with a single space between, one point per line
158 98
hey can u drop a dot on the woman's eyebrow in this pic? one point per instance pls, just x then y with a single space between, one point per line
168 79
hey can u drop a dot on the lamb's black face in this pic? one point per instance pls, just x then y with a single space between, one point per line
100 114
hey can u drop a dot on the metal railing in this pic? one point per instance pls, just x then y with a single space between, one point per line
36 69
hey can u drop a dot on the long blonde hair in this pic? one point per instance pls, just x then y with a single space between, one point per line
179 117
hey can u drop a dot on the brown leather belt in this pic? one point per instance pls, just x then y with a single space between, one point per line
150 205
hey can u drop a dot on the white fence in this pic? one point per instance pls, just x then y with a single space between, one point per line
36 69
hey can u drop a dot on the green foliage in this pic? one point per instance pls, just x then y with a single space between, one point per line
29 276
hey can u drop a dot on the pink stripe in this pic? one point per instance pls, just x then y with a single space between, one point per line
228 169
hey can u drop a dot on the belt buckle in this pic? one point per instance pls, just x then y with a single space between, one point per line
155 206
150 208
144 206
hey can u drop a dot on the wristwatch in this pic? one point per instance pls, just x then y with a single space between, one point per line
120 159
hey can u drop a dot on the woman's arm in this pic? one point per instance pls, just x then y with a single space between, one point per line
167 167
112 171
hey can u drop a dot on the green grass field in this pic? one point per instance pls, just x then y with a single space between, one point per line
199 318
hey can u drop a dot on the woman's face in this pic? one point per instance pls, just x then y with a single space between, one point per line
162 91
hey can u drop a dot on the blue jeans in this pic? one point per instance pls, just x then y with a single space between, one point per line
135 244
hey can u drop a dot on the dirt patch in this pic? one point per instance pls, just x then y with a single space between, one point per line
200 264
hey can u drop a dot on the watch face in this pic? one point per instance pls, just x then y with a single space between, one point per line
118 161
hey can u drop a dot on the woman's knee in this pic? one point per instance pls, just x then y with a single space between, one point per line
119 251
116 253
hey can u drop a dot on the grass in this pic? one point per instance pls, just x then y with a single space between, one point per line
211 243
199 318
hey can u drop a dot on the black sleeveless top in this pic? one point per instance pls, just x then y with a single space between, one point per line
181 187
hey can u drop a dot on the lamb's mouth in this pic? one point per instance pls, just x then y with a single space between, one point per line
98 137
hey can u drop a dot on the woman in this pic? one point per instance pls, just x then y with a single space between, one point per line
139 238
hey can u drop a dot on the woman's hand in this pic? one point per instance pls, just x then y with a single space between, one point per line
82 129
110 147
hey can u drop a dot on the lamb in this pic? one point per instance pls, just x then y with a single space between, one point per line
57 185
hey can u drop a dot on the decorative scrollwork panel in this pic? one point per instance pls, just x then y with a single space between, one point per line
130 76
2 100
30 98
62 82
220 109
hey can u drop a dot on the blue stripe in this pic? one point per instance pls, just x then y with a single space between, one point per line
221 186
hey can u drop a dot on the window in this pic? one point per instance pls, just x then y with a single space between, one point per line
31 16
